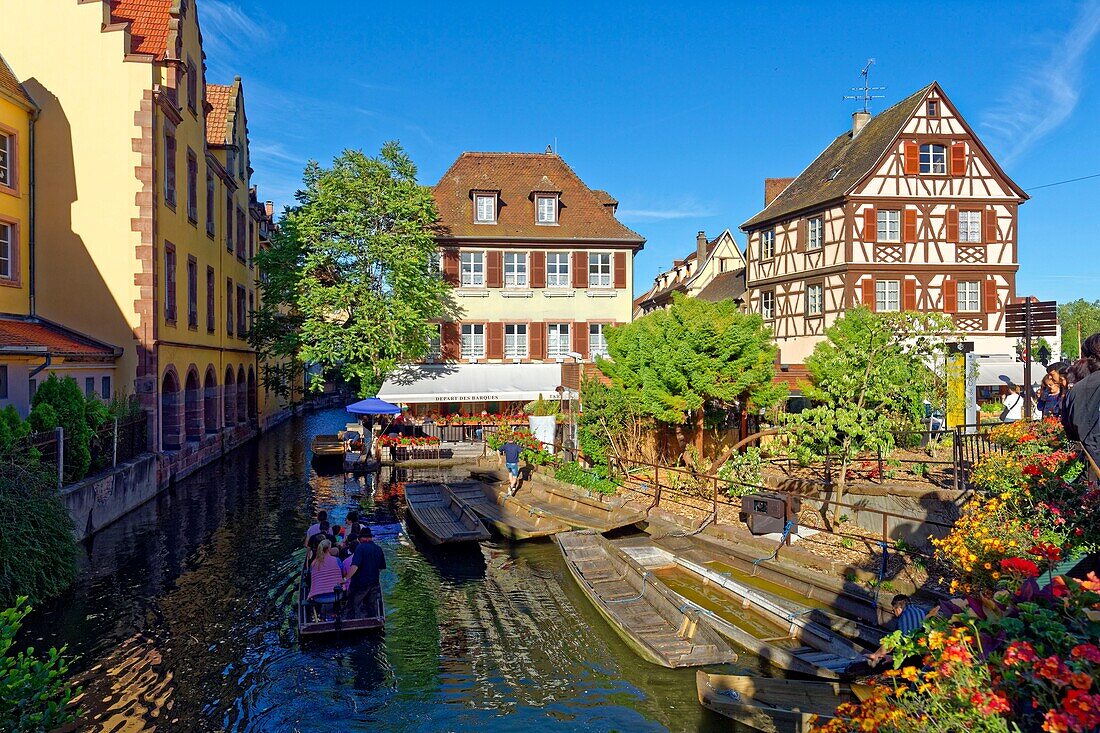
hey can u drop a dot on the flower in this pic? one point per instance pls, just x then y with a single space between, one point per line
1020 652
1020 566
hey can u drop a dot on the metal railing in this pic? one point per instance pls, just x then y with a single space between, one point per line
117 441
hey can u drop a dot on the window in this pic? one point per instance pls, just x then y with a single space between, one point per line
210 299
515 341
815 233
815 299
169 283
933 109
472 270
599 270
435 343
486 208
4 382
192 85
473 341
597 340
240 234
7 160
105 387
767 305
192 187
557 270
211 190
192 293
767 244
228 223
887 296
89 386
723 264
229 306
969 296
170 167
889 225
970 226
240 312
933 158
515 270
7 243
558 344
547 209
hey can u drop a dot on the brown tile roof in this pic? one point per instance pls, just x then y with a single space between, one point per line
851 157
148 21
10 86
516 176
795 377
36 335
218 96
681 283
724 285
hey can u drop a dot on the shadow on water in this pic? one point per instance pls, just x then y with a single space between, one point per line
184 619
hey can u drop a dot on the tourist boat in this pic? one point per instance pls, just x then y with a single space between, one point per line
327 446
651 620
443 518
500 512
774 705
783 636
309 627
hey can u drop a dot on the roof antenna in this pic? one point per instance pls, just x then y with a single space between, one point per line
866 89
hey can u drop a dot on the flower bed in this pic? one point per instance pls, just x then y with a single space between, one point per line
396 441
532 447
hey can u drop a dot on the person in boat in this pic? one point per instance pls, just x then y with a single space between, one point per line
908 619
318 537
325 573
511 451
364 588
322 516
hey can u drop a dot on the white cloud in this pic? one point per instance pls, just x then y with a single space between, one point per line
228 32
674 212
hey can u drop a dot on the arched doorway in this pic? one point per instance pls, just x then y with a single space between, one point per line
210 401
193 404
229 398
171 414
252 396
242 396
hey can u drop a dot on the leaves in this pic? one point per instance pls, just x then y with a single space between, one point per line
35 695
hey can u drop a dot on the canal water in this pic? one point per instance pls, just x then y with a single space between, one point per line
183 619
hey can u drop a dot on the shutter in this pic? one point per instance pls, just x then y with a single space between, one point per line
912 159
450 267
580 269
953 225
620 270
868 296
950 295
908 294
494 341
989 225
958 159
538 269
450 341
870 224
536 340
909 225
803 235
580 338
494 269
990 295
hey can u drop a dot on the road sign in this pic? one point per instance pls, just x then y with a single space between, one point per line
1044 318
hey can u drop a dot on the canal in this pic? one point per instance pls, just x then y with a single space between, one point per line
183 619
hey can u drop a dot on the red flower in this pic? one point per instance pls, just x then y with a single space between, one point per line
1052 668
1020 566
1020 652
1091 652
990 703
1027 437
1032 470
1050 553
1083 708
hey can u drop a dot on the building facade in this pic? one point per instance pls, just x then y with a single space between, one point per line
907 211
714 271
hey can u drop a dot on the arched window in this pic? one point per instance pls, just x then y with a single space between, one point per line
193 404
170 413
933 158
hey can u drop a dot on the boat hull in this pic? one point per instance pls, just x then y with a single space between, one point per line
501 513
308 628
771 705
441 517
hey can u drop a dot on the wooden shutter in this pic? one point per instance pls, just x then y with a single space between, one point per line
989 225
580 338
868 295
494 269
953 225
870 224
494 341
620 270
450 338
803 235
990 294
538 269
958 159
950 295
912 159
909 225
450 266
908 294
580 269
536 340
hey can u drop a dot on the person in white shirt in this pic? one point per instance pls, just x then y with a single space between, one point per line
322 516
1013 403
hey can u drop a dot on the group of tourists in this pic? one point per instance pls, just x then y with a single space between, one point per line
343 559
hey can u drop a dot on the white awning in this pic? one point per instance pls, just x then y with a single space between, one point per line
1005 372
472 383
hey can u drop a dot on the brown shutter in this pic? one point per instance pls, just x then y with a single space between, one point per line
803 235
450 266
870 224
580 338
958 159
868 295
620 270
580 269
536 335
494 341
953 225
494 269
989 225
538 269
990 294
908 294
909 225
950 295
450 341
912 159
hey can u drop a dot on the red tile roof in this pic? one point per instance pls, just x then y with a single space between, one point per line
39 336
148 21
795 376
10 86
583 213
219 97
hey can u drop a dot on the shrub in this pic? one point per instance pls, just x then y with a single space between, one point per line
34 692
542 408
744 472
532 446
574 473
68 402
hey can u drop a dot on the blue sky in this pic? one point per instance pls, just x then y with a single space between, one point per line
679 110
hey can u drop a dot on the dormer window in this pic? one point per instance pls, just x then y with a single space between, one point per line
933 108
485 208
546 209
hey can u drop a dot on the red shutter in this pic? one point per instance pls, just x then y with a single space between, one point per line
494 275
990 294
912 159
953 225
950 295
620 270
909 225
450 266
958 159
494 341
908 294
868 296
580 269
989 225
538 269
580 338
536 335
870 224
450 341
803 235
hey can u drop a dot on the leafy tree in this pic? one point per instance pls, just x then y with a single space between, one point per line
348 279
35 695
70 407
868 379
1069 315
609 422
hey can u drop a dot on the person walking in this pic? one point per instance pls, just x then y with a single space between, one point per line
1013 404
364 587
511 451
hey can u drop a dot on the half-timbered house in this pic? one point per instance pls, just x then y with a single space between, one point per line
714 271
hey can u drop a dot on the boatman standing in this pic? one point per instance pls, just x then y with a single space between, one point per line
364 589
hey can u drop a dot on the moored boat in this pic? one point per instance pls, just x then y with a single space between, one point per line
326 614
774 705
443 517
327 446
501 513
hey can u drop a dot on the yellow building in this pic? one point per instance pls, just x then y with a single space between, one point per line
144 220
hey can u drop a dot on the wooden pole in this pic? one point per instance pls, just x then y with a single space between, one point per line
1027 358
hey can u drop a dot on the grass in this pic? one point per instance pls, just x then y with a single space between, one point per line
574 473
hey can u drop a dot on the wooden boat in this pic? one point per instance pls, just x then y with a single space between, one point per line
443 518
501 513
641 610
328 623
327 446
782 636
774 705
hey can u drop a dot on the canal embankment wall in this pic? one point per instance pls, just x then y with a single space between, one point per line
99 500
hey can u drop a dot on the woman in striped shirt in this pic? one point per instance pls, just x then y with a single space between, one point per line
325 571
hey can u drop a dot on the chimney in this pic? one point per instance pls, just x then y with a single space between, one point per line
859 121
700 248
773 187
269 208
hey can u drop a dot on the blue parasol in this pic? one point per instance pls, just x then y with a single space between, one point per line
373 406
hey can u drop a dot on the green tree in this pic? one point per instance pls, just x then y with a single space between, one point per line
69 406
349 282
35 695
1075 312
609 422
868 379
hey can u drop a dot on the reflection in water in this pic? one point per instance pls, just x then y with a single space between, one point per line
184 620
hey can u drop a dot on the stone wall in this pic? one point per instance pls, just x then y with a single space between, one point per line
99 500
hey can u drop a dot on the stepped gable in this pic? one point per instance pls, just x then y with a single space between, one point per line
148 21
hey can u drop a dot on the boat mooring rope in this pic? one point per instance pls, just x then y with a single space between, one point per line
635 598
786 531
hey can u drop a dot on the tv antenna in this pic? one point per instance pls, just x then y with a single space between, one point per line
865 91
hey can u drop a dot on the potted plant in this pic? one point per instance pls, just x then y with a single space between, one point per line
542 418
